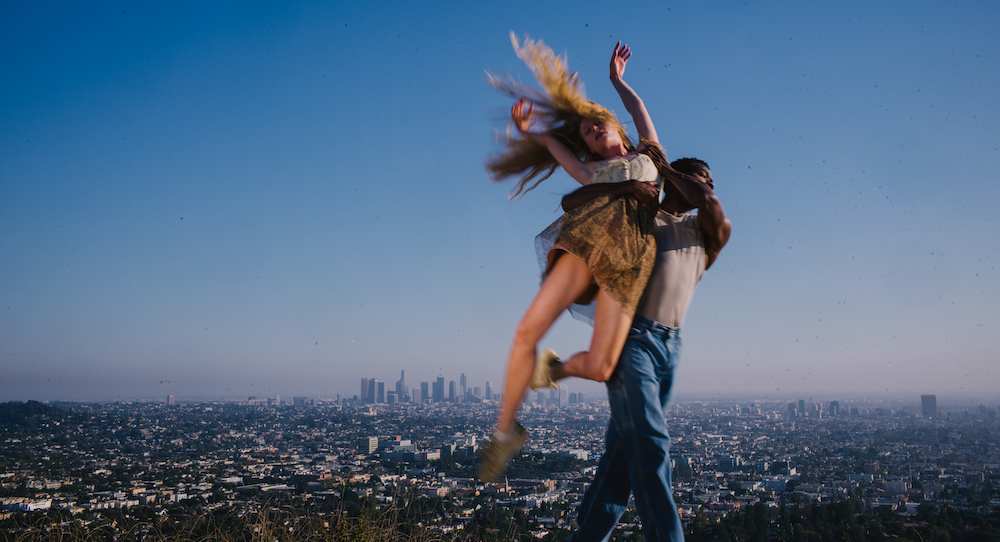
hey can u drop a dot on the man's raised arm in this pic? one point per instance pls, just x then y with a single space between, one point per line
711 217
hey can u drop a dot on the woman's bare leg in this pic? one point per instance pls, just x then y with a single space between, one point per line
611 327
567 280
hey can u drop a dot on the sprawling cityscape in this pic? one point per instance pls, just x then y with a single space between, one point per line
154 469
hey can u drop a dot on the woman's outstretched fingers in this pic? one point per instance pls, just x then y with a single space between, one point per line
521 119
619 58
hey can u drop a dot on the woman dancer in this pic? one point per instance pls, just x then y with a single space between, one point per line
603 250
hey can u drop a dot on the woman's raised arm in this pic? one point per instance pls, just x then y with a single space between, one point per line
633 103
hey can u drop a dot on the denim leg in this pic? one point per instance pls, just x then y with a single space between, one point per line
646 373
637 454
607 497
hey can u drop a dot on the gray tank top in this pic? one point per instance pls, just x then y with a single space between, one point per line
680 263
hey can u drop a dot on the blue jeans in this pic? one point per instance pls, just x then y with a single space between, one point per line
637 457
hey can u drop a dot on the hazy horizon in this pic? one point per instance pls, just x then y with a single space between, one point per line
846 398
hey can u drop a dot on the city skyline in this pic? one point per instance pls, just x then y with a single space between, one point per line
836 405
227 200
845 405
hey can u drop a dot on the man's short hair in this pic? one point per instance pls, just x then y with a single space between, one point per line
686 165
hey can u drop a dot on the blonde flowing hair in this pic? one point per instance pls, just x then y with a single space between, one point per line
561 107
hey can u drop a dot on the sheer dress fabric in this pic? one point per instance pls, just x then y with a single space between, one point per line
612 234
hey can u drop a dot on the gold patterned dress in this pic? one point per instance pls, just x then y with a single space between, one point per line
612 234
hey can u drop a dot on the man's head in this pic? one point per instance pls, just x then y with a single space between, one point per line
672 199
695 168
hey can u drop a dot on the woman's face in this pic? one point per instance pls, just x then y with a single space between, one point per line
601 137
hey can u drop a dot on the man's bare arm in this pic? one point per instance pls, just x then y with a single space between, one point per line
645 192
711 216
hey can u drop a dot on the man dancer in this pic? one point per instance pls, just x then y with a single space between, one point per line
637 455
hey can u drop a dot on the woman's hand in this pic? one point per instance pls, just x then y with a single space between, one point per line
522 119
619 58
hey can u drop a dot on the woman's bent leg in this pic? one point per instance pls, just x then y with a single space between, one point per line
611 326
567 280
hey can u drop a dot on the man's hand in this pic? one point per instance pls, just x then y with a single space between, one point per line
648 194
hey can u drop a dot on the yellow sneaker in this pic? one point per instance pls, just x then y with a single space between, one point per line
542 375
494 457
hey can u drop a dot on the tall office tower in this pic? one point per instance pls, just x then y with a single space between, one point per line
298 401
401 384
563 396
425 391
488 392
381 392
834 408
451 391
928 406
364 391
415 396
802 408
439 390
372 389
171 401
464 383
791 410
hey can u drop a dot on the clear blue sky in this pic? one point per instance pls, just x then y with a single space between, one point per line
251 198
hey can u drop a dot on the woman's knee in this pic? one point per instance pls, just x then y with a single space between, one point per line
527 335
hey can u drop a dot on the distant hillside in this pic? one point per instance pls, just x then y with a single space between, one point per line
30 415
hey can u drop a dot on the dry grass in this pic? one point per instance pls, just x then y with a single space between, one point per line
269 524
